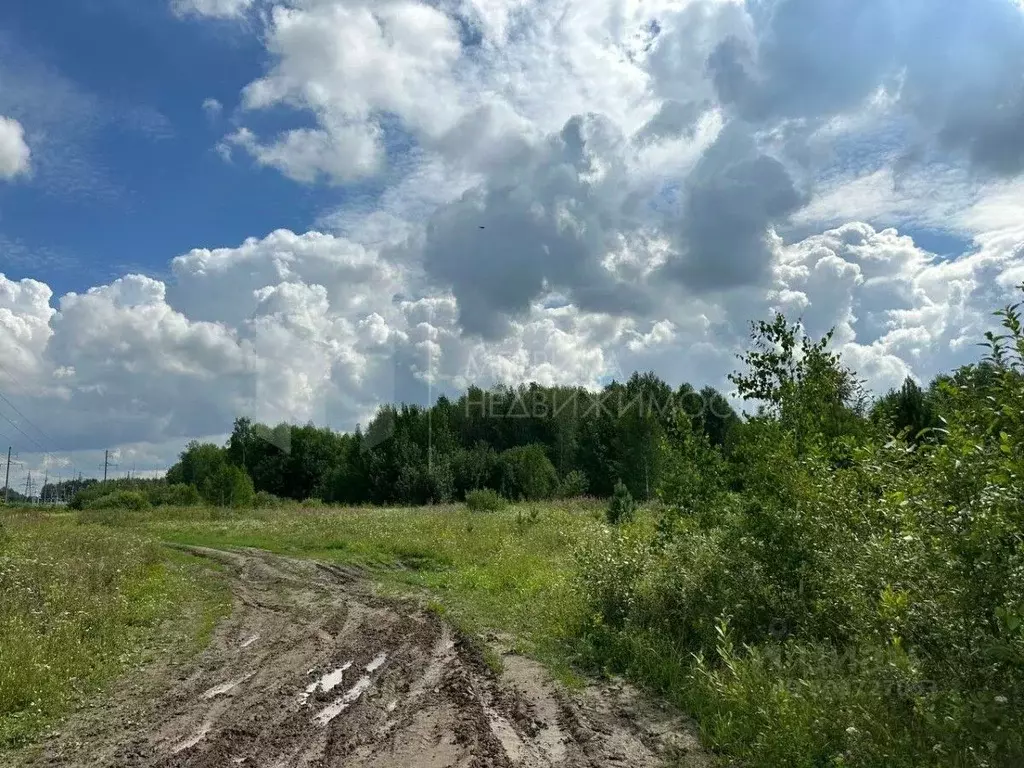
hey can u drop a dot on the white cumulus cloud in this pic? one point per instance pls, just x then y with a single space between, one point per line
15 155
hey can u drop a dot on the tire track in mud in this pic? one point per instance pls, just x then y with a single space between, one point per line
312 669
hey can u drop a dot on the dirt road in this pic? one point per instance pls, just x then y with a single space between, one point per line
312 669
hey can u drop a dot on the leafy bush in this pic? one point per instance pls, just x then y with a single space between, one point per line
475 468
573 485
264 500
129 500
855 600
622 508
228 486
173 495
95 490
527 474
485 500
157 492
610 568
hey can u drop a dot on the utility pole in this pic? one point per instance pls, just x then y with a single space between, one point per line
46 479
7 480
107 464
28 487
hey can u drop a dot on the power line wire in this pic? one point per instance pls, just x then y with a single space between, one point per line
23 432
15 379
29 421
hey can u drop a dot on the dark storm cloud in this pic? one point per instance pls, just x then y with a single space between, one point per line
733 197
547 222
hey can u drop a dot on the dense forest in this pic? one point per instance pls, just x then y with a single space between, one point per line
531 442
526 443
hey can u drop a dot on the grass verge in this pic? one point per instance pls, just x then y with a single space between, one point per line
80 604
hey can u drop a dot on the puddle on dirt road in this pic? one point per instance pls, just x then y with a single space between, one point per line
220 690
327 683
352 695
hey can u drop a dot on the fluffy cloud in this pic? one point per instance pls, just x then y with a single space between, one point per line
15 154
897 310
317 327
350 63
25 315
954 68
346 153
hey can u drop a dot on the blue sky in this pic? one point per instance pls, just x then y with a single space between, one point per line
395 197
147 192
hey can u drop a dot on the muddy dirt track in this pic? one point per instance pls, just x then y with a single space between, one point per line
312 669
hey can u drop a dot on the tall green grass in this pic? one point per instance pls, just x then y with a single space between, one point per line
78 605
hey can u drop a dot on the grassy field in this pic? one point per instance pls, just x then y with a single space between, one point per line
506 573
80 605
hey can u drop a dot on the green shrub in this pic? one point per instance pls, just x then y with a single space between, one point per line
621 508
573 485
265 500
228 486
129 500
312 503
485 500
158 493
173 495
855 600
527 474
475 468
610 567
84 497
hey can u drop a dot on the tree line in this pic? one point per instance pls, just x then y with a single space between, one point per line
527 443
